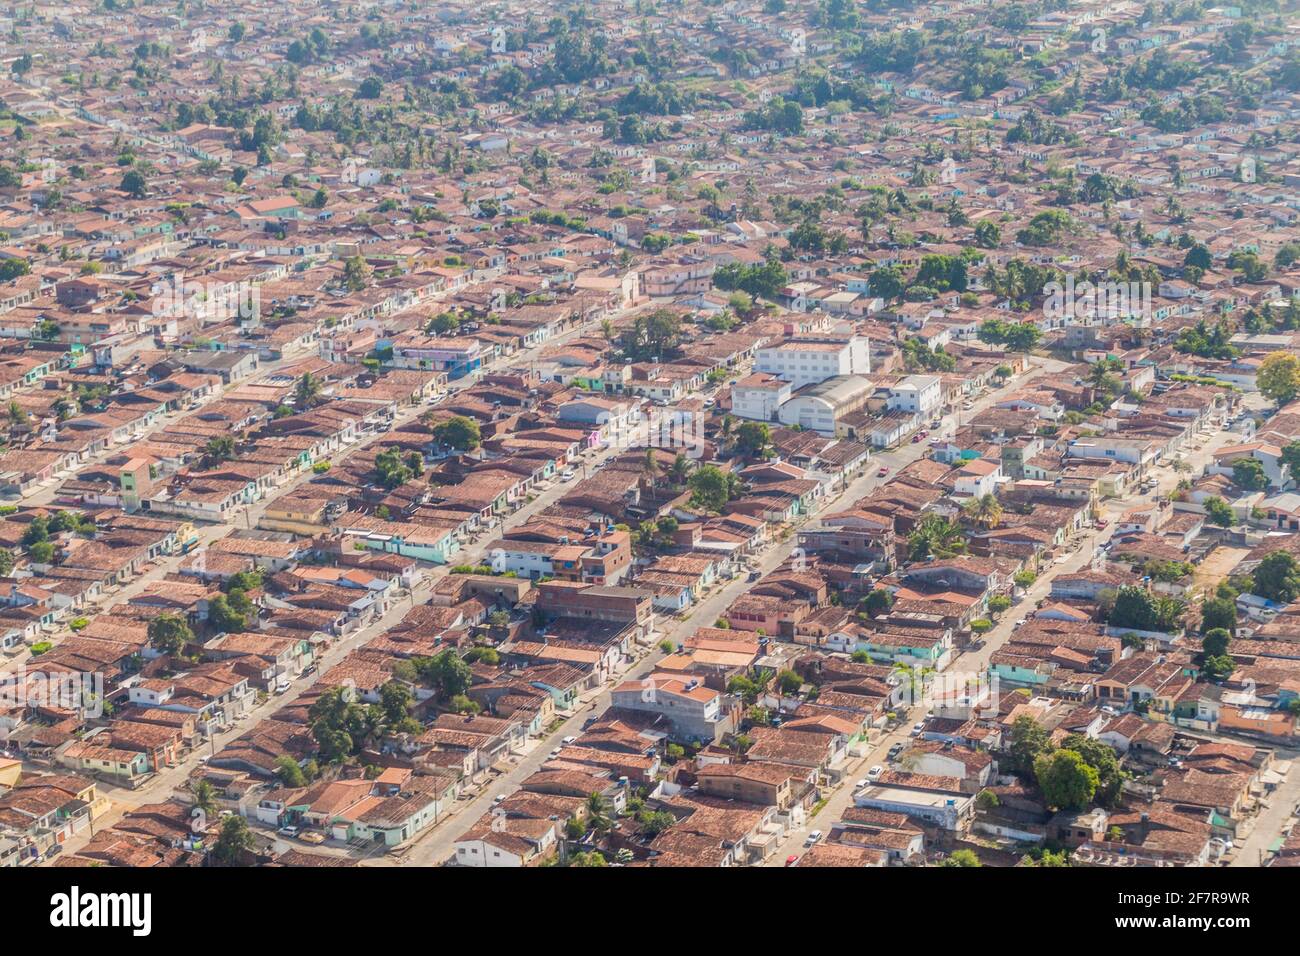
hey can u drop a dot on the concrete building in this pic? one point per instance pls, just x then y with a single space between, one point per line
807 361
820 407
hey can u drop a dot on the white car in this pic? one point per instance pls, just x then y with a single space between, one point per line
874 773
862 784
568 474
917 728
813 837
569 740
555 753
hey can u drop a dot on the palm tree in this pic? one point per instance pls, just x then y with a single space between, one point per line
935 536
985 511
307 390
597 813
650 467
204 796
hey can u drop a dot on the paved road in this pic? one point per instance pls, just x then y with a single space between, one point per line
162 784
1274 817
976 661
437 845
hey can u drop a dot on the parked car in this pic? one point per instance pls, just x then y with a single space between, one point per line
792 859
917 728
861 784
1102 522
813 837
882 472
874 773
569 740
289 831
895 750
555 753
312 837
568 474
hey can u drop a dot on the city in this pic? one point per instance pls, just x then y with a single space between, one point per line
628 433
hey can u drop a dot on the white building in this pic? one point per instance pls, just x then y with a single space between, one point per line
920 394
820 407
809 361
758 396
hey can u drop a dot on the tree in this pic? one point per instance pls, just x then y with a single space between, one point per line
753 439
1066 779
169 633
1219 512
356 274
217 450
988 235
234 841
445 673
1277 578
711 488
652 336
396 700
1102 758
290 774
985 511
961 858
307 392
370 88
1219 613
6 562
1029 740
42 552
1278 378
133 184
391 471
1134 608
1248 474
788 682
935 536
1215 642
458 432
1218 668
223 617
878 602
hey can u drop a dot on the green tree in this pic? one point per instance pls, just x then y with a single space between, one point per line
1028 741
1277 578
878 602
42 552
234 841
1278 378
1102 758
1248 474
290 774
711 488
458 432
1219 512
753 439
961 858
133 184
1219 613
935 536
169 633
1215 642
1066 779
1134 608
223 617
